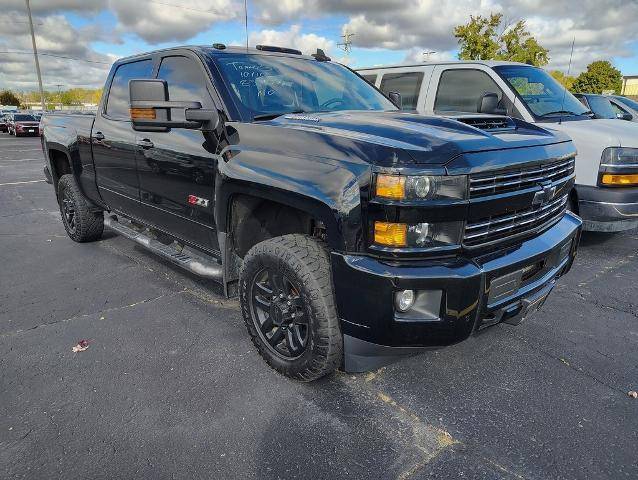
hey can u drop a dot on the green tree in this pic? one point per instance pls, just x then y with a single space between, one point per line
479 39
566 81
600 75
7 97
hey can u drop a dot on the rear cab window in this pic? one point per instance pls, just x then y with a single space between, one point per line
408 84
371 78
117 103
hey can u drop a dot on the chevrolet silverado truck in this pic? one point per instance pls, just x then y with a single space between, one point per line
352 232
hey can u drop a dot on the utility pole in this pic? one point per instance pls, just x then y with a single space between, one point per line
35 55
59 94
346 45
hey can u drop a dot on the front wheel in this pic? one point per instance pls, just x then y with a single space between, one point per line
288 306
82 224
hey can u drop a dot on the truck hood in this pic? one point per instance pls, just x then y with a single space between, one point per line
422 139
606 132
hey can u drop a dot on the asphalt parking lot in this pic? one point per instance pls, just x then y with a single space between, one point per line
171 387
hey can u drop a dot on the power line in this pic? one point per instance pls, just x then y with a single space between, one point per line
65 57
218 12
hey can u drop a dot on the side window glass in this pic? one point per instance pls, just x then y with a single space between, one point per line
371 79
460 90
617 109
186 80
408 84
117 105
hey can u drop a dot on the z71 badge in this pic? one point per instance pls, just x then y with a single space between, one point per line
199 201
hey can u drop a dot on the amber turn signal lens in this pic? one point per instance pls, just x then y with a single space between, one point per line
142 113
615 179
390 186
391 234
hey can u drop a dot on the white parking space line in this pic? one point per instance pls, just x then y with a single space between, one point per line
4 150
22 160
20 183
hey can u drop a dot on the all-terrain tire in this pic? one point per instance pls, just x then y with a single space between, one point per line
305 262
84 223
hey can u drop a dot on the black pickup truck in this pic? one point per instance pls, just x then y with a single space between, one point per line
352 232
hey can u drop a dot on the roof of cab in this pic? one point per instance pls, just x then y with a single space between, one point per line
210 49
488 63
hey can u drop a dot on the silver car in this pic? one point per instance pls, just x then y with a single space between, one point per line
625 108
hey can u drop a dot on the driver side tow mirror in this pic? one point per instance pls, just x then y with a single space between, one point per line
624 116
150 109
395 97
488 103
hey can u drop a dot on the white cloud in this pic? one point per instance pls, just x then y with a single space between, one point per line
602 29
56 37
292 38
172 20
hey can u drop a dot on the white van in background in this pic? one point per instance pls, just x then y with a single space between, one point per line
606 193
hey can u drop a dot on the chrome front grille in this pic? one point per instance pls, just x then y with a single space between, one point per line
511 180
500 227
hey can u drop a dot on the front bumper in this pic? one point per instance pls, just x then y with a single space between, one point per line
608 209
365 288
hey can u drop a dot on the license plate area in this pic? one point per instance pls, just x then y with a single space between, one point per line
509 284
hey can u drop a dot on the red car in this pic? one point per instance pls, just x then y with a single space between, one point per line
23 124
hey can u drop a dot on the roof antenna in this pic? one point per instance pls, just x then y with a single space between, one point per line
246 22
569 69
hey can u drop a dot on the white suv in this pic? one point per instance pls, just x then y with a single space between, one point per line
606 192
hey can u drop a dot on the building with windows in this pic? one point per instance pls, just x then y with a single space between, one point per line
630 86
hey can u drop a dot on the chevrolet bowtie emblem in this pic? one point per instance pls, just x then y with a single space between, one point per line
545 195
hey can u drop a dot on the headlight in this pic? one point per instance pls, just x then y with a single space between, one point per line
419 235
421 187
619 157
619 167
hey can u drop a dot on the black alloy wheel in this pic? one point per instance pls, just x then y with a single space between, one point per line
68 211
279 313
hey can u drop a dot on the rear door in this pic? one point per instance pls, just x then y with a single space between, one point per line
177 168
113 141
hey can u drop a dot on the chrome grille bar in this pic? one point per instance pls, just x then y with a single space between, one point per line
483 185
503 226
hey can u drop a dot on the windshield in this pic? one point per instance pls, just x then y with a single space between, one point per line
24 118
627 101
601 106
543 95
265 85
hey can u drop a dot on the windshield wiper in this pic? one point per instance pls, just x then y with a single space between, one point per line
558 112
270 116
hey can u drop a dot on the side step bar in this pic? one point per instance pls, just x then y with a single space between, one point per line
194 264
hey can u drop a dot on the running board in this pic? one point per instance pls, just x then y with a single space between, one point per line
198 266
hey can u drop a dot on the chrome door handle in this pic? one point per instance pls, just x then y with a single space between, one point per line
145 143
98 136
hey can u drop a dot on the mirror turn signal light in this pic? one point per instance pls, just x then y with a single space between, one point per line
615 179
391 234
142 113
390 186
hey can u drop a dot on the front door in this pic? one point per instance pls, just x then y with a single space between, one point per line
113 141
177 168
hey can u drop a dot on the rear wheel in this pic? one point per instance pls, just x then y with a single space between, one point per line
81 222
288 305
